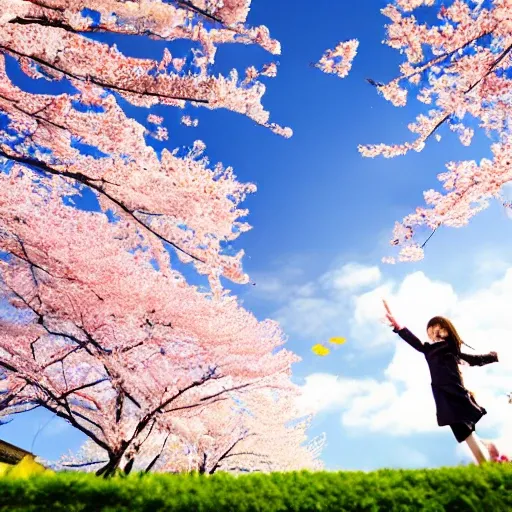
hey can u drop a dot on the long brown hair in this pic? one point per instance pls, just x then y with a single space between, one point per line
453 335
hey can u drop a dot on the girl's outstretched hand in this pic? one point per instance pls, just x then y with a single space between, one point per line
494 354
390 318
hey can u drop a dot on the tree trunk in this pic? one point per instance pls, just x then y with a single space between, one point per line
129 466
202 465
114 460
110 468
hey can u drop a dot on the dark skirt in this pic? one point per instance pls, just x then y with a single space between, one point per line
462 430
455 405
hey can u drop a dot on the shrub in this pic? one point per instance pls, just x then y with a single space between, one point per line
473 488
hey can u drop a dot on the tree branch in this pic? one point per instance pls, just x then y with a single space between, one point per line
470 88
154 461
246 453
192 406
84 464
223 456
436 60
236 388
431 235
189 5
84 386
35 115
32 347
84 180
89 433
99 82
60 359
149 416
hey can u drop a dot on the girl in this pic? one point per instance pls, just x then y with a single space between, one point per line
455 405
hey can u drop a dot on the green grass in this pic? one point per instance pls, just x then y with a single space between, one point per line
465 489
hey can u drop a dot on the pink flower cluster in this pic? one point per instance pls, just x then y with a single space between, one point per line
467 81
339 60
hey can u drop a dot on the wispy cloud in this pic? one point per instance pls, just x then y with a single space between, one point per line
282 283
319 308
56 428
351 277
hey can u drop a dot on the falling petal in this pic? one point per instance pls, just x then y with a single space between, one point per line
320 350
338 341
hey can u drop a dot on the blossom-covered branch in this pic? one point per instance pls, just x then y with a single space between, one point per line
99 326
461 66
85 136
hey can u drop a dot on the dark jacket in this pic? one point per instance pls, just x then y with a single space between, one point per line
454 403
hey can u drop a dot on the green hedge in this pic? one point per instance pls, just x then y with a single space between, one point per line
464 489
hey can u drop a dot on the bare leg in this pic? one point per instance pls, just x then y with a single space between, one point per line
476 448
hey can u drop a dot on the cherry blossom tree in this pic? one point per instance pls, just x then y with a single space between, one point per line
96 323
255 434
460 67
96 334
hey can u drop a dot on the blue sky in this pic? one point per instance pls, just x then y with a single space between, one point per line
322 219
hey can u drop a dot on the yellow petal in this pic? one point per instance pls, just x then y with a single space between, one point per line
320 350
338 341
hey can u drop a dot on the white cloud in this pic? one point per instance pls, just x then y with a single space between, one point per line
351 276
312 317
324 308
370 404
400 402
417 299
321 309
326 392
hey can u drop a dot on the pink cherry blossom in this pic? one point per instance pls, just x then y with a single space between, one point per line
188 121
153 119
339 60
46 39
58 122
461 66
257 438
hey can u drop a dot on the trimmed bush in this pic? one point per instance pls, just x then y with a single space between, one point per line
487 488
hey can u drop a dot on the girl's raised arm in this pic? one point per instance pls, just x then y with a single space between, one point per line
410 338
403 332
